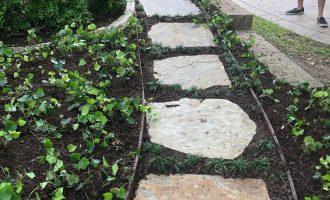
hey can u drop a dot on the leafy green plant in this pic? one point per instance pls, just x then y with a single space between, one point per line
218 165
310 145
157 50
164 164
260 165
191 161
193 91
153 85
323 172
265 144
239 165
9 191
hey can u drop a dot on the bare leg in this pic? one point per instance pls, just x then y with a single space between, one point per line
301 4
321 8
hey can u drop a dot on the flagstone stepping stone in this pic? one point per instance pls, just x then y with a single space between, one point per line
202 71
181 34
200 187
170 8
214 128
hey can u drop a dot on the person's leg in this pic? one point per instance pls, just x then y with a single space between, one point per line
298 10
320 19
321 8
300 4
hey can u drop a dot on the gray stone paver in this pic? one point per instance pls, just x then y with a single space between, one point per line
279 64
169 7
181 34
200 187
305 24
202 71
214 128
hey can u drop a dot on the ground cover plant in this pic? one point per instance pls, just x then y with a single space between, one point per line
69 115
18 18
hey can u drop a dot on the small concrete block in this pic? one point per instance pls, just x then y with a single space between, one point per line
170 8
181 34
213 128
200 187
202 71
242 19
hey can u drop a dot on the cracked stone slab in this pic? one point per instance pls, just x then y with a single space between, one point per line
214 128
280 65
181 34
170 8
202 71
200 187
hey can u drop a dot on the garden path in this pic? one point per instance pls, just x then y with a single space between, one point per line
213 128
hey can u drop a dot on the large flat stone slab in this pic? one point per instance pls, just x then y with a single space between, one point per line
280 65
200 187
181 34
169 7
214 128
202 71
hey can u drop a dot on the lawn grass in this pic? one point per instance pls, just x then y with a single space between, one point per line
291 43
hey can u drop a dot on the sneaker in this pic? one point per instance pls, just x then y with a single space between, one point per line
322 22
295 11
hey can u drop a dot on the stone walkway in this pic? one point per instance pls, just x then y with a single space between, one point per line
274 10
213 128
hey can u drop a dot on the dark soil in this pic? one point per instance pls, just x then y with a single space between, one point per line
23 154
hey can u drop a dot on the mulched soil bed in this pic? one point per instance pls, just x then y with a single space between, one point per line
23 153
277 188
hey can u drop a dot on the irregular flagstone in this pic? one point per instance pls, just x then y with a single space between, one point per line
169 7
202 71
214 128
181 34
200 187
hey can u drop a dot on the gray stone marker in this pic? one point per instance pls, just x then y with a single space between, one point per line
169 7
280 65
202 71
181 34
200 187
214 128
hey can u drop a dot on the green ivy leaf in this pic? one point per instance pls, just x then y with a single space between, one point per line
75 126
71 148
82 62
47 143
115 169
31 175
43 185
21 122
85 110
58 194
82 164
6 191
91 27
108 196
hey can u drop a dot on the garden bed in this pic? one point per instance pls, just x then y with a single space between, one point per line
71 116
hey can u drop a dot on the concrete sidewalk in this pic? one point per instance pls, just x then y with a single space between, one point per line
274 10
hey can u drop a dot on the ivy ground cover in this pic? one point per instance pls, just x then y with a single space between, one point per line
69 116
